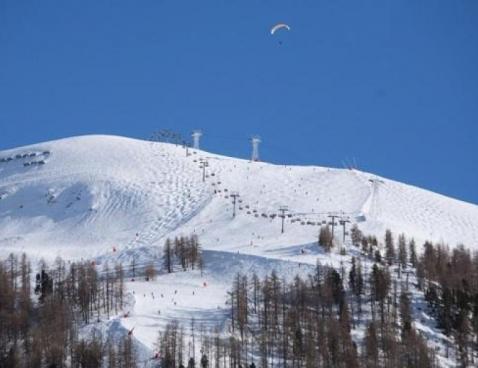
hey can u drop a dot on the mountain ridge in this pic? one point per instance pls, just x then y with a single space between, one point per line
96 192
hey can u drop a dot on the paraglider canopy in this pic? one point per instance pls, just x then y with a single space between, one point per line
279 26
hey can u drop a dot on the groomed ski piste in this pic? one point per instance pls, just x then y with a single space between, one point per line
114 199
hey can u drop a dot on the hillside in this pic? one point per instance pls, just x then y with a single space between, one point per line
113 199
80 197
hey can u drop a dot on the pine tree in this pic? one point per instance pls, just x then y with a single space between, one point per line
380 286
150 272
405 314
127 353
389 248
371 346
413 253
325 238
356 235
204 361
353 276
167 256
402 251
119 286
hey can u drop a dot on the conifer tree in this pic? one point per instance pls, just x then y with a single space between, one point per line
167 256
413 253
389 248
402 251
325 238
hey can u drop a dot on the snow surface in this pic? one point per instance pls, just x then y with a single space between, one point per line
97 192
112 199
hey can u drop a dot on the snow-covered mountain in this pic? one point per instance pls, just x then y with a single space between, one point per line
116 199
82 196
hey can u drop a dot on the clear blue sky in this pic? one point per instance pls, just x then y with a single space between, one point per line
393 84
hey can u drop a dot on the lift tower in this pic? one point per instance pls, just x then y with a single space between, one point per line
255 140
196 136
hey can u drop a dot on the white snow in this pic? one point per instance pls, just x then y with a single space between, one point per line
113 198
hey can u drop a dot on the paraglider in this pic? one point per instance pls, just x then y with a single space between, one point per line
279 26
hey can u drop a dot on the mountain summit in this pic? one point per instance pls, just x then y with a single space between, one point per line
83 196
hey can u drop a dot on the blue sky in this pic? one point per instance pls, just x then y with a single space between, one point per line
393 84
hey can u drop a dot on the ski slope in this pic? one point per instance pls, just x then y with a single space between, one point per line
93 193
113 199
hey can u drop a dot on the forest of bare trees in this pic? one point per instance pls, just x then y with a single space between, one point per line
358 316
449 279
184 252
335 318
41 327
